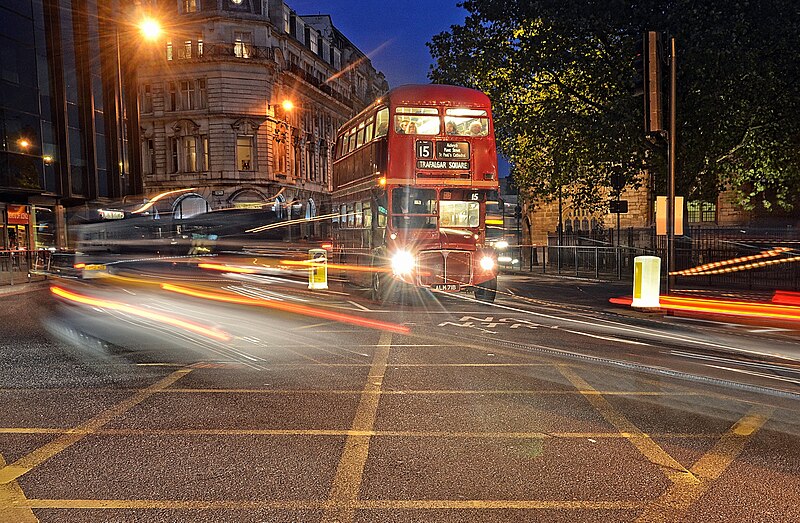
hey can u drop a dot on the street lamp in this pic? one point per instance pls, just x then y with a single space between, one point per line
150 29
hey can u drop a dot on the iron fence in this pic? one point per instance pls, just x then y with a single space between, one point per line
742 257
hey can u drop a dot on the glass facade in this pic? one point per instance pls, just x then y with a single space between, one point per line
63 127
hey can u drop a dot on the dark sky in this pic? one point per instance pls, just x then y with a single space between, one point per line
392 33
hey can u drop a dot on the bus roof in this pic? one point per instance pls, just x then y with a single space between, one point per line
436 93
427 94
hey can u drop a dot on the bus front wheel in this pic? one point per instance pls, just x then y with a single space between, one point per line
379 290
487 291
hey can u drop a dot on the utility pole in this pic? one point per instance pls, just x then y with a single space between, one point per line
673 76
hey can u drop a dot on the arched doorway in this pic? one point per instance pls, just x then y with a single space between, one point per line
190 205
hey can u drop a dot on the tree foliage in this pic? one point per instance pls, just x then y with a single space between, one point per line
559 73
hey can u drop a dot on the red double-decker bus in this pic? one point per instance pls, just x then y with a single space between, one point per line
411 177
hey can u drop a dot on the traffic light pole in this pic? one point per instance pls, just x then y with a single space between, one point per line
673 75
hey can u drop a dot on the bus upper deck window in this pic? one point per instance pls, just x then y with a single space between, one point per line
466 122
416 120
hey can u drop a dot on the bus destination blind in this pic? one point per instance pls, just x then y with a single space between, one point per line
445 155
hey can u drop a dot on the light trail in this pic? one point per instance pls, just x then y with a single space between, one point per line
226 268
727 307
156 198
727 266
135 311
289 307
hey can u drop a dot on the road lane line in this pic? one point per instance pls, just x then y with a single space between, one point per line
25 464
349 474
358 305
372 504
607 338
13 502
676 472
676 501
371 433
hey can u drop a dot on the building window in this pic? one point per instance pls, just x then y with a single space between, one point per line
242 45
189 154
199 47
278 156
187 94
173 155
311 40
148 156
147 98
244 153
324 161
286 26
172 96
204 156
700 211
189 6
202 93
169 51
185 50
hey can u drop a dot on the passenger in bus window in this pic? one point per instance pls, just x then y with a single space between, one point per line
400 127
412 128
381 129
476 129
450 127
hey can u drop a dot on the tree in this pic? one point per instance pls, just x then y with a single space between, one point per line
559 73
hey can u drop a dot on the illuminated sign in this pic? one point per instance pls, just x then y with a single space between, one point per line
18 215
452 150
425 150
110 215
443 164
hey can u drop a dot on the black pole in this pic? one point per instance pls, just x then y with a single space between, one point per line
671 167
618 213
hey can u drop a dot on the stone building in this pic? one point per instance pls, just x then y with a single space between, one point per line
541 219
213 112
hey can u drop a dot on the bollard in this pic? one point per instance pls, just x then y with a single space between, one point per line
318 269
646 282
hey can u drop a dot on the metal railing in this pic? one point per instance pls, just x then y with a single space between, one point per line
16 262
598 262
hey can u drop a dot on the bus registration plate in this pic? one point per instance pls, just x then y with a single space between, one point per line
451 287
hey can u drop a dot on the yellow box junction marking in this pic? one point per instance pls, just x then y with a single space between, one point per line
676 472
25 464
13 502
349 474
676 501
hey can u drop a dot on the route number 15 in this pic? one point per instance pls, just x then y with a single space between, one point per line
424 149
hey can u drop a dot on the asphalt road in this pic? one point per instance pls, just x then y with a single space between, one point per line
548 406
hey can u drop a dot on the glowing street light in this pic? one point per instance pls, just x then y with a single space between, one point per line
23 143
150 28
287 105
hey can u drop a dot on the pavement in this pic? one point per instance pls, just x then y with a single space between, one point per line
22 284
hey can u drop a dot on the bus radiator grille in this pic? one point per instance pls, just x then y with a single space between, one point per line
444 267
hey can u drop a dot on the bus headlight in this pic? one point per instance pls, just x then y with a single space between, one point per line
402 263
487 263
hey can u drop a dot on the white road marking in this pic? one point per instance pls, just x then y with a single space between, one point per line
753 373
608 338
359 306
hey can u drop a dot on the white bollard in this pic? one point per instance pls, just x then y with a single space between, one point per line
646 282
